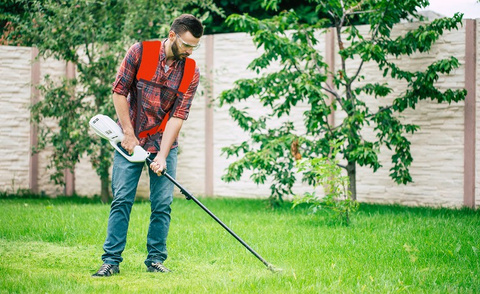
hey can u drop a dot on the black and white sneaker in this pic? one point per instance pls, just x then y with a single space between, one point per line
157 267
107 270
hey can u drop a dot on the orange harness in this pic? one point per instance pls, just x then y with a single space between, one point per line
146 71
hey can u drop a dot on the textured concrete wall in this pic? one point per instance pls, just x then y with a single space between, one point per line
56 69
437 148
15 127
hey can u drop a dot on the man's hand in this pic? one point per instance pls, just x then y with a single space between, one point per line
159 164
129 142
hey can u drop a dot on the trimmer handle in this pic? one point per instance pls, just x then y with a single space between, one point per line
139 154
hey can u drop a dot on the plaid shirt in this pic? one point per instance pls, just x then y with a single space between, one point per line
158 99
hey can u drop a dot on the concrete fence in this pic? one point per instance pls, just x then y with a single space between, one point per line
446 155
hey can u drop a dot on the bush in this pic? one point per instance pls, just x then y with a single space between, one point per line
325 172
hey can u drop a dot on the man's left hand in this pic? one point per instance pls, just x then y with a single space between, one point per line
159 164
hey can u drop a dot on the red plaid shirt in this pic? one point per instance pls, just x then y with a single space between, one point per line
158 99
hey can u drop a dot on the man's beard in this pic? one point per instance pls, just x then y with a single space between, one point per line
176 53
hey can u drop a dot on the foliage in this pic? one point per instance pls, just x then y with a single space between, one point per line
271 159
93 36
325 172
215 23
302 76
9 10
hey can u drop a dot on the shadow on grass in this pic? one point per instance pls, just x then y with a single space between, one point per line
427 211
327 218
60 199
75 199
323 217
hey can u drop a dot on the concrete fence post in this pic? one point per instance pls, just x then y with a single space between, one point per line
330 60
209 163
34 98
470 112
70 174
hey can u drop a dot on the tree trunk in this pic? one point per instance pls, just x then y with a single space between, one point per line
352 175
104 174
104 178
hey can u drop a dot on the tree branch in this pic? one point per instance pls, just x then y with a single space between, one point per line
351 10
350 82
360 12
331 91
380 110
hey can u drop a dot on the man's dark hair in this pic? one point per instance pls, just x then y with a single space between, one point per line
188 22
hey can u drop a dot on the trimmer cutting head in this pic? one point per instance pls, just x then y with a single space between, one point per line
106 128
274 269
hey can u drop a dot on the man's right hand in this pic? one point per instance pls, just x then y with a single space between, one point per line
129 142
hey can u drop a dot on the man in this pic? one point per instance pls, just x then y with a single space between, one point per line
157 98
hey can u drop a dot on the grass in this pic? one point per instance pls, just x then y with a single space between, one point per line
54 245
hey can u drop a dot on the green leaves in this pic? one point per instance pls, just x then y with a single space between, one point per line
246 122
420 39
376 89
325 172
422 86
268 158
300 76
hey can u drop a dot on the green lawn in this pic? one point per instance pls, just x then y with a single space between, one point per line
53 246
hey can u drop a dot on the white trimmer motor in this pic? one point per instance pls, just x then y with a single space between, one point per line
106 128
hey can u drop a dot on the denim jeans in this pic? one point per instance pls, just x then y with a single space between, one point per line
125 177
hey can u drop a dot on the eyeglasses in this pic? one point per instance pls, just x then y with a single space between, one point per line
187 46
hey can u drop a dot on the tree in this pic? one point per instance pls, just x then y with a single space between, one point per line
216 22
303 77
94 36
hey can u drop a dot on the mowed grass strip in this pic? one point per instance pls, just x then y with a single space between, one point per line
54 245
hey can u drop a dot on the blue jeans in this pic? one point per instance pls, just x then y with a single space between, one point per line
125 177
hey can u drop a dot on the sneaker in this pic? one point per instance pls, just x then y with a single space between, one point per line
107 270
157 267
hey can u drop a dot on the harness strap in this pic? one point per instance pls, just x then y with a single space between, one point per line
149 60
188 73
146 71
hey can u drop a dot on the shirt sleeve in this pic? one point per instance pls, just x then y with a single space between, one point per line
183 108
128 70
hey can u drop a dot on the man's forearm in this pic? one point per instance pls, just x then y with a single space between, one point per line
121 107
169 135
172 129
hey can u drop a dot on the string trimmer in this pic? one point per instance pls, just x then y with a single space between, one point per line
106 128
